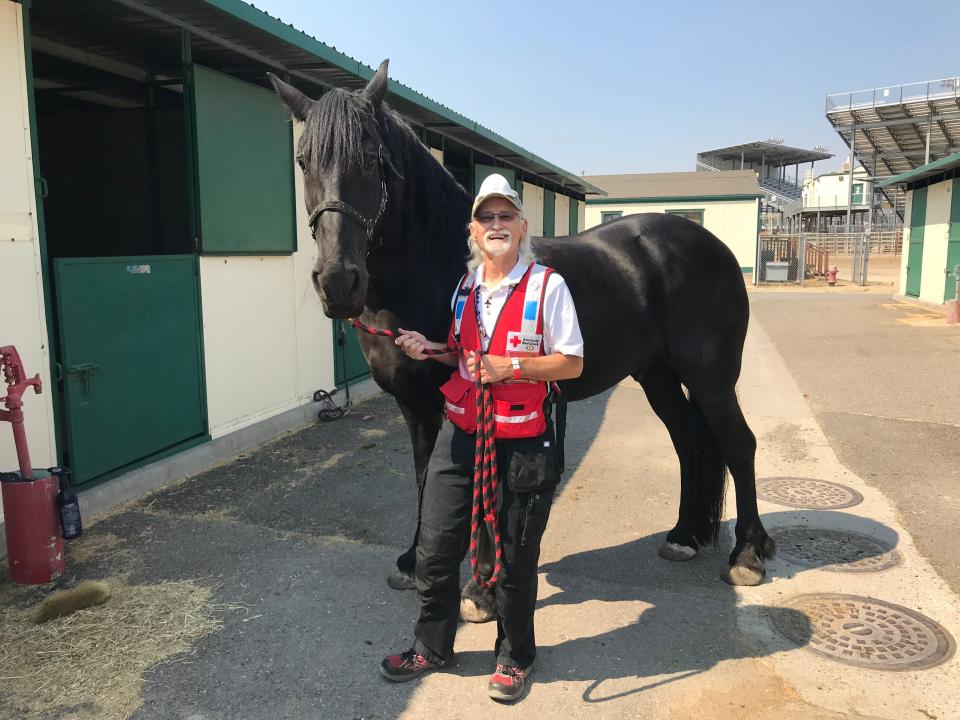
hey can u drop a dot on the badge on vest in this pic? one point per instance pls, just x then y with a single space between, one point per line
524 342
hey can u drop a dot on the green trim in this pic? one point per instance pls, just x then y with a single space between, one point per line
950 161
52 344
189 117
300 39
747 269
670 198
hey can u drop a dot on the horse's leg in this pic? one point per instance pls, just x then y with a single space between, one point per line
753 545
665 394
424 426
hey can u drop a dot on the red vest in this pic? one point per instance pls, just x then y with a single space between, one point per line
518 332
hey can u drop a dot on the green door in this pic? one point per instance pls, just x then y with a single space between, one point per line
953 244
574 217
549 213
129 330
918 218
349 365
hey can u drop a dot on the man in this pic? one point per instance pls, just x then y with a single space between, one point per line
520 319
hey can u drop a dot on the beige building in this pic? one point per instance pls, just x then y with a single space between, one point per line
930 262
726 203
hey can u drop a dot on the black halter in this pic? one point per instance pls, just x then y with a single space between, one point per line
369 225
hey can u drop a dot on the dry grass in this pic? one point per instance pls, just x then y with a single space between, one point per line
92 661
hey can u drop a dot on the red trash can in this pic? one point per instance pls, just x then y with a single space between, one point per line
32 525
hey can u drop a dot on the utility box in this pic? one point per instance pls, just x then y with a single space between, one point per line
777 271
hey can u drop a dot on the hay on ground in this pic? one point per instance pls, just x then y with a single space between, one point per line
93 660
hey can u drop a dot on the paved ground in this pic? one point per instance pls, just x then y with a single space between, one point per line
883 379
295 540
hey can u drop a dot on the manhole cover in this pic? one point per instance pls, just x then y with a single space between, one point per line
862 631
807 493
835 550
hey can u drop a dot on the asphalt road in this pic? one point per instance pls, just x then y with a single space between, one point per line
883 380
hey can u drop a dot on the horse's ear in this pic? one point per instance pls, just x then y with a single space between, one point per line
376 89
298 103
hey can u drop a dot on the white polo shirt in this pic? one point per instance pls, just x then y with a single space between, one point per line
561 329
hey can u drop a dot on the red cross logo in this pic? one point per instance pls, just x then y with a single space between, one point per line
515 341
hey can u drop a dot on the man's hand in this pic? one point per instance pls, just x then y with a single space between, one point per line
493 368
413 344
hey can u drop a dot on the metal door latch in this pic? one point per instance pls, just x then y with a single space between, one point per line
85 371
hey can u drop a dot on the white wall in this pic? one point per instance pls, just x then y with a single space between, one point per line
733 221
267 343
22 309
533 208
561 216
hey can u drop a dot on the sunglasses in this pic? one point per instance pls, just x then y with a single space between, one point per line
486 218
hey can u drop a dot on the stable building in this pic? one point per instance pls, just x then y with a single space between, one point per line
930 263
727 203
155 257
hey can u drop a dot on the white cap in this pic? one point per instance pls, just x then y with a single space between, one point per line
496 185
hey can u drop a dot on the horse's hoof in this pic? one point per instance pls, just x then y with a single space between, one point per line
675 552
472 612
399 580
742 575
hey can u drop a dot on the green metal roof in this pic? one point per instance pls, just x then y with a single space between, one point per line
431 113
911 176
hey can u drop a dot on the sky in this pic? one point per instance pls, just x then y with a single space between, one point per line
633 87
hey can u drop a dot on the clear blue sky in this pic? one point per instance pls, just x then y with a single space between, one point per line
621 87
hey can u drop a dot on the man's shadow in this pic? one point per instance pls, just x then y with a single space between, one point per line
690 620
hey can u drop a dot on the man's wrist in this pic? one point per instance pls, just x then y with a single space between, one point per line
515 362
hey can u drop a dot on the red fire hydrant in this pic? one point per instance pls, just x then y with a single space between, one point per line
832 275
31 521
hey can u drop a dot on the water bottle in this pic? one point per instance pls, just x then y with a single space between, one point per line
68 505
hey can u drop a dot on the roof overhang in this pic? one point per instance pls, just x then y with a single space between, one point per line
231 33
773 154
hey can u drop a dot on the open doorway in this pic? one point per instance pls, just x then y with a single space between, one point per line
114 155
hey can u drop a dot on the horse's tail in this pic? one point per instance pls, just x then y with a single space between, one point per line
707 476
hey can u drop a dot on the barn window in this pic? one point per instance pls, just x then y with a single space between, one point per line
691 215
609 216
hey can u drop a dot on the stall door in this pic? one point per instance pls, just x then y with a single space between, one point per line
918 219
129 330
349 365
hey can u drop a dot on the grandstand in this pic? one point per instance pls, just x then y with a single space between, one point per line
772 161
892 130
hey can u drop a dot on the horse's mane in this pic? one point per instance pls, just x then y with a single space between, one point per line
433 198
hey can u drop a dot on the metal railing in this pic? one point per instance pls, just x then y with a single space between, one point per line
881 242
895 95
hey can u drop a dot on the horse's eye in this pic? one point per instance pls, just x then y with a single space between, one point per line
300 163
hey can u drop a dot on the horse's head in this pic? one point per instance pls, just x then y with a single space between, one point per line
345 165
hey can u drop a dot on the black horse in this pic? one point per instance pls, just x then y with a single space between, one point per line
659 299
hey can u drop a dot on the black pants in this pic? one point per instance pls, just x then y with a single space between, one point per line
444 539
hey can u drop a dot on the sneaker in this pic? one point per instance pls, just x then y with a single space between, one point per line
508 683
406 666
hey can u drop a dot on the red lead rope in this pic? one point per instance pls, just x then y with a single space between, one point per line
357 325
483 518
484 511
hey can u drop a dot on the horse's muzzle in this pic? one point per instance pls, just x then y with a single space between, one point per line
342 292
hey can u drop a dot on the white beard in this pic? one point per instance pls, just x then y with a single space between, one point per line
497 248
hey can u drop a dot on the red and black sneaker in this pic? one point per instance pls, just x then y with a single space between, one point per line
509 683
406 666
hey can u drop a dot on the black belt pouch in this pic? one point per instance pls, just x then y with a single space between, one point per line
530 463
